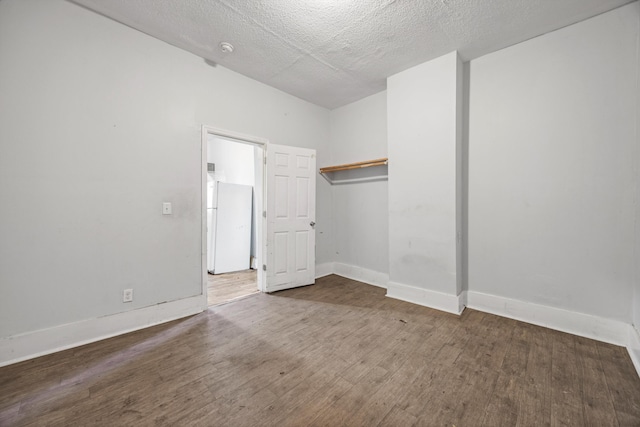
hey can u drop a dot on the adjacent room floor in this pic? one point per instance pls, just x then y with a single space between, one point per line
222 288
337 353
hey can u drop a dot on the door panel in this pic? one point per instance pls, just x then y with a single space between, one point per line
290 217
302 258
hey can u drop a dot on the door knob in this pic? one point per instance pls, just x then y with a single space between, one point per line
312 223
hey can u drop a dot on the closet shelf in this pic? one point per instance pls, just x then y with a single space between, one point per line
358 165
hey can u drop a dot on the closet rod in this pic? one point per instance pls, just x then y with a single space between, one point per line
358 165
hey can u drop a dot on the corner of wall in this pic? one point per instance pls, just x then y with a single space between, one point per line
460 235
324 269
633 347
361 274
353 272
449 303
465 175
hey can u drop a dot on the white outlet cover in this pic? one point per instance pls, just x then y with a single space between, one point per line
166 208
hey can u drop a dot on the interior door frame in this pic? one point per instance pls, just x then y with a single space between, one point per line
261 232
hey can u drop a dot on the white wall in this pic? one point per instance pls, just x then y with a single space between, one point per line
634 333
122 114
636 294
552 159
234 161
360 209
424 109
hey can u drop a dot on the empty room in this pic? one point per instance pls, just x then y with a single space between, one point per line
440 217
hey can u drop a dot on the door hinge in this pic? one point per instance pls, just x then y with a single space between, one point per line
265 160
264 267
264 214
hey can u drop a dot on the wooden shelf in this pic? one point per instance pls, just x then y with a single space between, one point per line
358 165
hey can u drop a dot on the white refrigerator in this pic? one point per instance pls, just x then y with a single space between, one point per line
228 227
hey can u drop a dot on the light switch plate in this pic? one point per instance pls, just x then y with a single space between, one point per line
166 208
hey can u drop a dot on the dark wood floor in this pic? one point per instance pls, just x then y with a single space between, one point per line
337 353
222 288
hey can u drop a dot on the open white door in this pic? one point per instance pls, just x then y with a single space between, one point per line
291 212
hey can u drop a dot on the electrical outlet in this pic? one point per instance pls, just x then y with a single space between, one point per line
127 295
166 208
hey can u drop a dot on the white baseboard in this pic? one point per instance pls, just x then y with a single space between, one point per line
633 347
45 341
324 269
428 298
584 325
364 275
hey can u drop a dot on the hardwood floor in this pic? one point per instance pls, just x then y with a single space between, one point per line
337 353
227 287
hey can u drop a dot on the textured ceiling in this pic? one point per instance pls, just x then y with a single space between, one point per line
333 52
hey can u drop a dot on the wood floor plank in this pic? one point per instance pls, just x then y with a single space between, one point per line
535 398
597 405
426 391
443 347
462 399
341 411
398 417
622 382
317 403
503 408
222 288
566 383
336 353
392 390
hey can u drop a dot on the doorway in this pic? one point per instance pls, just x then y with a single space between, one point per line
284 244
233 197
